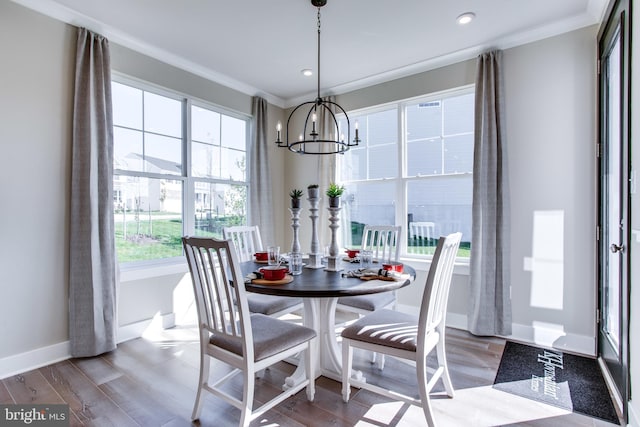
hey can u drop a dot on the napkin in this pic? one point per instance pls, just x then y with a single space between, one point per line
372 272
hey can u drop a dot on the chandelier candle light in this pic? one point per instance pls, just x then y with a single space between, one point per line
318 140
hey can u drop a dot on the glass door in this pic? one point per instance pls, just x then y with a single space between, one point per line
613 199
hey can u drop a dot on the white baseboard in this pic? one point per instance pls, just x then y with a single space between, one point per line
34 359
136 329
634 417
537 334
553 338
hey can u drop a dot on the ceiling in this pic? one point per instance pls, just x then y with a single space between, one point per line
260 47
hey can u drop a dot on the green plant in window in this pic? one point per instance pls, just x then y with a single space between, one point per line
295 193
335 190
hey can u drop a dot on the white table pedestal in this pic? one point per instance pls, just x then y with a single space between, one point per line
319 314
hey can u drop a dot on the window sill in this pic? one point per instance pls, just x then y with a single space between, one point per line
133 272
461 267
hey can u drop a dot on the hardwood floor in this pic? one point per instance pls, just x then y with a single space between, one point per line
151 381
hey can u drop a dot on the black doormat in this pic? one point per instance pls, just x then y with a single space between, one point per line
567 381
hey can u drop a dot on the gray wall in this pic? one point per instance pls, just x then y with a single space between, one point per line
36 83
551 124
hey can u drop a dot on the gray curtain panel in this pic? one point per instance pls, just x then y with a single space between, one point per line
490 302
260 194
92 267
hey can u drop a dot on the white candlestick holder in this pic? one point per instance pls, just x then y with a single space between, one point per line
333 263
315 256
295 224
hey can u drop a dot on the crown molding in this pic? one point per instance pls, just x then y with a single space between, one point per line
64 14
591 17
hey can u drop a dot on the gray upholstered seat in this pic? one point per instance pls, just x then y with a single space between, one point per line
270 336
386 327
367 303
272 305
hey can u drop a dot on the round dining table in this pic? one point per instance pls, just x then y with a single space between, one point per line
320 290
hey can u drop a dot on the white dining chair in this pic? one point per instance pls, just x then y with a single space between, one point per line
422 230
231 334
406 336
384 243
247 241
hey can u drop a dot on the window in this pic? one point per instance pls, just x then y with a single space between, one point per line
179 168
413 167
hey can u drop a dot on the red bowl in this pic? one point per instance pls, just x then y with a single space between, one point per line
274 272
394 266
352 253
261 256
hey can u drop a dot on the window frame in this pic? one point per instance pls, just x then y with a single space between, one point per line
185 177
402 179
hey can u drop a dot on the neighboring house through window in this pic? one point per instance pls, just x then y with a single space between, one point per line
179 168
413 167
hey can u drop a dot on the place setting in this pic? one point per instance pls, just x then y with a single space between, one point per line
280 269
389 270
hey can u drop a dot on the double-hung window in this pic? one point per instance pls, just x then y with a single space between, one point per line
179 168
413 168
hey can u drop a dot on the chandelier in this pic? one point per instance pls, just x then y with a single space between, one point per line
315 137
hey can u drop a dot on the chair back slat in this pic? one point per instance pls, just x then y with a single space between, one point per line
433 309
246 239
422 230
219 287
383 241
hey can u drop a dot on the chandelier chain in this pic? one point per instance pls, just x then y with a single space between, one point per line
324 138
318 71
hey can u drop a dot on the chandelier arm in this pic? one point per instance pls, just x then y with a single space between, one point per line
293 114
346 117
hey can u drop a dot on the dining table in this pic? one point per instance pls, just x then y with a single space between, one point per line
320 290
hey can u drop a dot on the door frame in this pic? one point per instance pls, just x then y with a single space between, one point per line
618 15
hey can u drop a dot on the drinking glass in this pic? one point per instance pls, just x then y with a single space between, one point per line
295 264
325 254
274 255
365 258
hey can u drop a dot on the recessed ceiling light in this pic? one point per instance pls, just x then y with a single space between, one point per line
307 72
465 18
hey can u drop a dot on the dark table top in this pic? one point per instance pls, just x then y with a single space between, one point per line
318 283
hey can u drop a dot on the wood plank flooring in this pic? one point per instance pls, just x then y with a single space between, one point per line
151 381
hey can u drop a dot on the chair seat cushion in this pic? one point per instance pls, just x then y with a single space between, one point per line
270 336
270 304
371 302
385 327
